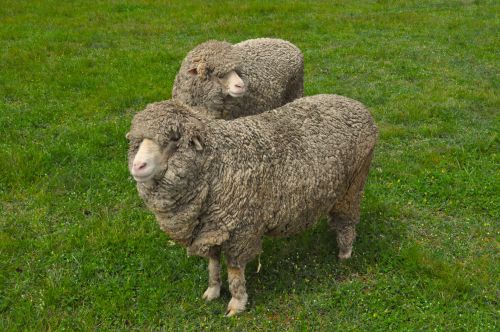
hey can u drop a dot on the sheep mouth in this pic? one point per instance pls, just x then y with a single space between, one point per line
236 94
143 178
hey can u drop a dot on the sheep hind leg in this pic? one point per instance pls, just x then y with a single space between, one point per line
345 239
239 297
343 219
344 216
213 290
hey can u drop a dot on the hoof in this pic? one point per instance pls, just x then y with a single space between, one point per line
211 293
236 306
232 312
343 255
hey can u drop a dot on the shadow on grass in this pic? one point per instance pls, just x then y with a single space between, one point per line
308 261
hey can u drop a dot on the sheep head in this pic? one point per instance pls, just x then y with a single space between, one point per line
216 62
157 134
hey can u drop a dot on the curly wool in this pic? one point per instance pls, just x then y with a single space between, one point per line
272 69
275 173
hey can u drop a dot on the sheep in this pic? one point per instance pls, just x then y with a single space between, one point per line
250 77
218 186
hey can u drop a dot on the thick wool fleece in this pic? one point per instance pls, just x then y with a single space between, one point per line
275 173
272 70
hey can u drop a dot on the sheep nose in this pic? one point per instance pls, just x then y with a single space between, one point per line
140 166
240 85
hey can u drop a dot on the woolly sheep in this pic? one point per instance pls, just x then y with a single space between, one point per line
250 77
220 186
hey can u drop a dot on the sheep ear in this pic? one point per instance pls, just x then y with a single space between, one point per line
197 144
127 135
202 70
198 68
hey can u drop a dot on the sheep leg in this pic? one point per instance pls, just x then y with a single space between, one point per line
344 216
346 235
213 290
236 279
343 219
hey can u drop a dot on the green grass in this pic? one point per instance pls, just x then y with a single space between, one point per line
79 251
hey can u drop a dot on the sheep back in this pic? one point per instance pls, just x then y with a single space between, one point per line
274 72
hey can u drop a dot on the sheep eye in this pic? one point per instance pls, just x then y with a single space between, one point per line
134 142
210 72
170 147
174 137
134 146
168 142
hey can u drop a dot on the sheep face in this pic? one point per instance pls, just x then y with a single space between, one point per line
150 160
233 84
228 84
161 139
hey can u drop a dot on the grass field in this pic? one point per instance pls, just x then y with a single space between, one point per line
79 251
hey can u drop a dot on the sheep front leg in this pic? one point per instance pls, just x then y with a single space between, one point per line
236 279
213 290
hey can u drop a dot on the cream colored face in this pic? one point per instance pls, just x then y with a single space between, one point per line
151 160
233 84
146 161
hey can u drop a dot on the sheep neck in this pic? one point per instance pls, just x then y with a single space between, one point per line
177 200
